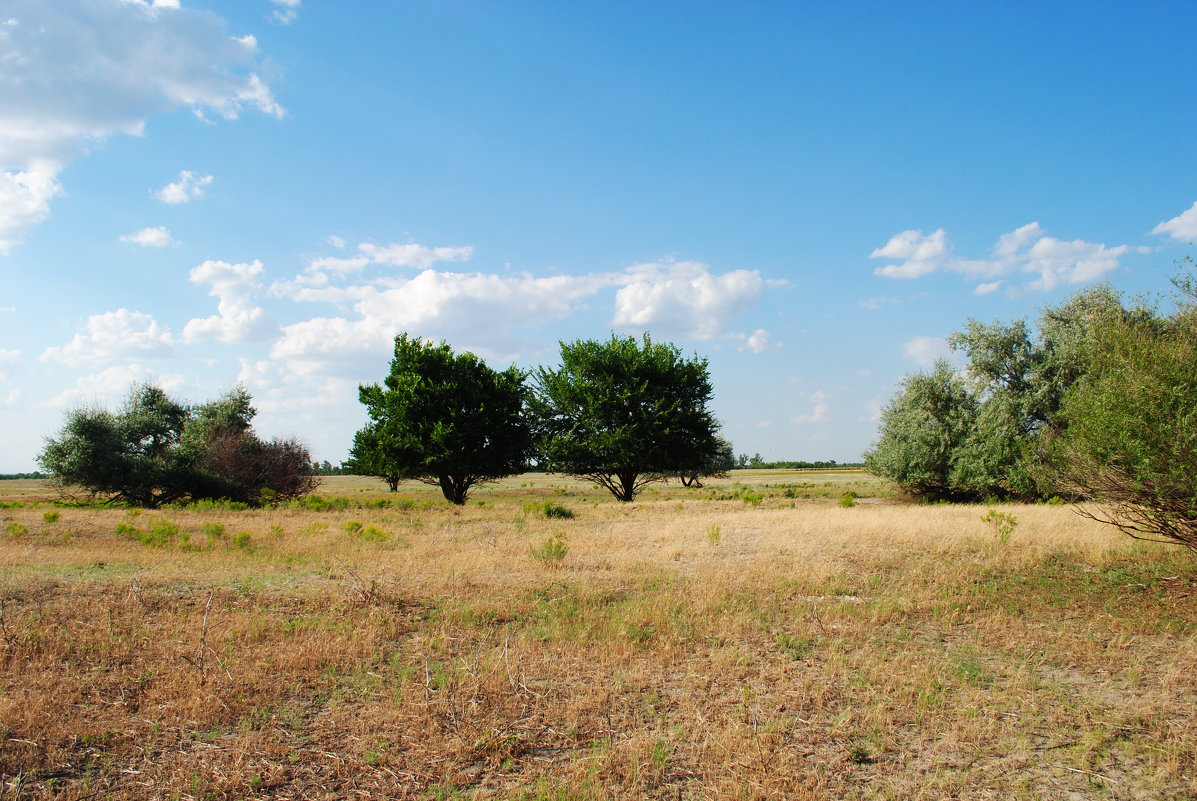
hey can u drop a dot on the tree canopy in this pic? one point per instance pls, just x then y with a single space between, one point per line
1006 403
155 450
624 413
443 418
1130 440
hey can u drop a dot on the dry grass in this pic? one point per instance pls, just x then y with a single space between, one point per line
803 650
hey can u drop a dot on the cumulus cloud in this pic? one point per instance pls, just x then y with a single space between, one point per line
285 11
757 341
988 287
925 351
1182 227
78 71
413 255
1027 250
473 308
189 187
820 410
114 336
323 271
684 299
919 254
9 356
110 385
490 313
238 318
150 237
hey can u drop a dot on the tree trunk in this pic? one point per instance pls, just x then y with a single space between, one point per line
627 487
454 488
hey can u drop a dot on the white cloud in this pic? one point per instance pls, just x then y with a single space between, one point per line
322 271
920 254
1182 227
150 237
873 411
684 299
121 334
7 309
490 313
109 386
819 413
1024 250
335 241
925 351
285 11
25 199
9 356
757 342
12 398
1076 262
988 288
78 71
413 255
188 188
478 310
239 319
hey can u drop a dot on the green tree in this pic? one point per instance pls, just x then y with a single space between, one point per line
1020 376
443 418
623 413
154 450
1130 444
922 431
368 458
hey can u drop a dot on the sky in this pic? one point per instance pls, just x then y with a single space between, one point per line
809 195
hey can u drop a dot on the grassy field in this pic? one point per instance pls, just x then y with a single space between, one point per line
751 639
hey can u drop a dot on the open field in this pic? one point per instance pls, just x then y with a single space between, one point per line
746 640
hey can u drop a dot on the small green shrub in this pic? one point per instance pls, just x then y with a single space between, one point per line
1055 500
353 526
552 550
16 529
848 500
752 498
374 534
51 517
214 530
714 533
556 510
242 540
1003 523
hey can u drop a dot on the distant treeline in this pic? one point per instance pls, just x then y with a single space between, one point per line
755 462
34 474
326 468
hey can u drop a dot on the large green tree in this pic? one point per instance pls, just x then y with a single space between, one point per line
1016 377
923 429
154 450
1130 443
624 413
443 418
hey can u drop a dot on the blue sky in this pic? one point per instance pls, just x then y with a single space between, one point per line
810 195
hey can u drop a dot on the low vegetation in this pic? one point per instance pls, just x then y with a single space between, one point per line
688 645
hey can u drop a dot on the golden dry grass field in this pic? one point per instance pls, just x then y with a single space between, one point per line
746 640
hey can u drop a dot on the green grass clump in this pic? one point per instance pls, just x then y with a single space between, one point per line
552 550
548 509
848 500
51 517
16 529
